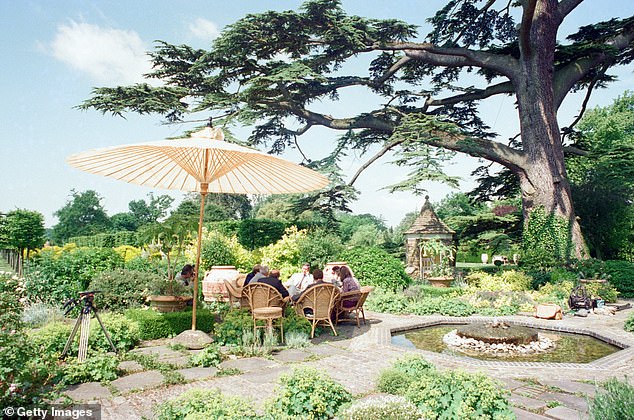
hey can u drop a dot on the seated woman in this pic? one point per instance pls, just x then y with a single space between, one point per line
349 284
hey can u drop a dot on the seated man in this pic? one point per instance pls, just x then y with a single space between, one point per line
264 272
256 270
318 277
300 281
274 280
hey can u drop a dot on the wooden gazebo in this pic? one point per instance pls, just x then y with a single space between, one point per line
426 227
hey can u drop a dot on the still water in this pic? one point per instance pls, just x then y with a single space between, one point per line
569 348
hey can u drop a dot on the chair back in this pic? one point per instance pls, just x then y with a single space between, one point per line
321 299
365 291
262 295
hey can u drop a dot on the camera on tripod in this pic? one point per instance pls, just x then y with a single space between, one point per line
86 304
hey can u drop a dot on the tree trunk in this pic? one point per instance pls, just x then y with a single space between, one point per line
543 177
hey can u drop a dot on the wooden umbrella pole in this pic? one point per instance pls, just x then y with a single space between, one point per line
203 194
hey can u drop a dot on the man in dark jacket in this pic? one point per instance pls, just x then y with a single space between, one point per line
274 280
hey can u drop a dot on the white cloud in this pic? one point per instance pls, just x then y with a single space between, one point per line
204 29
107 55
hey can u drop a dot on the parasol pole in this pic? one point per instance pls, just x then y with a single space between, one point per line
203 194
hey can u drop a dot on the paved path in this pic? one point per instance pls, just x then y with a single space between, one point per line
355 358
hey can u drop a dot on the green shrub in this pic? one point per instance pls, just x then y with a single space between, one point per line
386 301
39 313
506 280
54 277
376 267
397 379
284 252
205 404
461 395
605 291
614 402
319 247
153 324
441 306
257 233
294 323
622 277
123 332
216 250
229 331
26 374
382 407
123 288
210 356
307 393
629 323
97 368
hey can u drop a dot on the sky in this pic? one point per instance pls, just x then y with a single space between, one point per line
55 53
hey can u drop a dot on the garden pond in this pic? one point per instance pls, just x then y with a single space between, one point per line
569 347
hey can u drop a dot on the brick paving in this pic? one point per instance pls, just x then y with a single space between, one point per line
356 357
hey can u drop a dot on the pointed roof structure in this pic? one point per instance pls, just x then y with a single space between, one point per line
428 222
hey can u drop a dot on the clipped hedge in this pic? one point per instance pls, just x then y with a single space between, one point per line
374 266
153 324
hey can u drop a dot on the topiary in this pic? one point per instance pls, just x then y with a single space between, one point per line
153 324
307 393
376 267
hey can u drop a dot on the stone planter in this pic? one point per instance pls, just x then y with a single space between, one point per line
169 303
214 289
440 281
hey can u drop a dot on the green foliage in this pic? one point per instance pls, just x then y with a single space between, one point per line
457 394
447 394
39 313
545 240
622 277
229 331
381 300
210 356
286 250
614 402
153 324
605 291
96 368
106 240
307 393
81 216
216 250
54 276
52 337
205 404
376 267
351 223
319 247
294 323
25 230
629 323
382 407
507 280
256 233
123 289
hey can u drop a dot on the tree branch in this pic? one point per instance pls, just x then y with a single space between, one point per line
567 6
505 87
374 158
568 130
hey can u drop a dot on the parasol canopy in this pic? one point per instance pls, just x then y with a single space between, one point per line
202 163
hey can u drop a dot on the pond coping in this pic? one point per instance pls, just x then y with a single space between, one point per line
620 339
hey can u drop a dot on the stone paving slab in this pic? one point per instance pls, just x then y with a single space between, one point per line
527 402
196 373
527 415
270 375
569 400
141 380
564 413
161 351
88 391
511 384
131 366
531 390
249 365
572 387
179 360
293 355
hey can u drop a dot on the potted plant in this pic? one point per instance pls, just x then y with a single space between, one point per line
166 243
441 273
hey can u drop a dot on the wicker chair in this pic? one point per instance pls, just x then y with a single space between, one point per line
236 298
320 299
266 304
360 295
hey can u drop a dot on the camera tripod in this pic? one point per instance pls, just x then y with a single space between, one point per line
86 305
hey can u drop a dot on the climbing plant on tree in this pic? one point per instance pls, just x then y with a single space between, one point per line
269 70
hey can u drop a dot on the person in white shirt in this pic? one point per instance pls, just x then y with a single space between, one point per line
300 281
